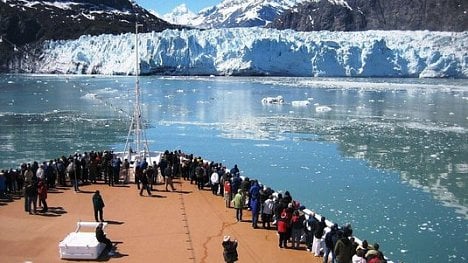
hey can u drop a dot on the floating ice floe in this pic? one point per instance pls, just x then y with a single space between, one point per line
323 109
273 100
300 103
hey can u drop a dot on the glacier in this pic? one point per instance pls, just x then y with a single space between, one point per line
259 52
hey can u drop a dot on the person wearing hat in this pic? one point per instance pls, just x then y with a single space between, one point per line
230 250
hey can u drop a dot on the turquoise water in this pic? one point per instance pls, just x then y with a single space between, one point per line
390 156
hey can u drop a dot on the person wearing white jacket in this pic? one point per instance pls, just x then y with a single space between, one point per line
214 182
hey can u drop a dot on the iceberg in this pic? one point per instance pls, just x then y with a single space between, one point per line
273 100
260 52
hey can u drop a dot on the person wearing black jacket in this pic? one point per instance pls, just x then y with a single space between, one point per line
319 230
144 182
31 193
230 250
330 241
102 238
309 230
98 205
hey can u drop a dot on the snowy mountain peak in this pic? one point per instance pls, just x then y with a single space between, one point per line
242 13
180 15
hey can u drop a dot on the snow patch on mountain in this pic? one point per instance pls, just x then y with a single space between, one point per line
256 51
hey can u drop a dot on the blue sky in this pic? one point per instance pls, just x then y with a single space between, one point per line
165 6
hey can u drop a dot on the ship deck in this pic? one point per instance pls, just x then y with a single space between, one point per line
186 225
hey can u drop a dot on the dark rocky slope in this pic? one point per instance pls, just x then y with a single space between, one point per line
357 15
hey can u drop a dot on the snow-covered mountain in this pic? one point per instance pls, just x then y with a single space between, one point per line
28 21
180 15
333 15
256 51
234 13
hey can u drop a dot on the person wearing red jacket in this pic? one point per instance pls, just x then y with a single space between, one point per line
283 225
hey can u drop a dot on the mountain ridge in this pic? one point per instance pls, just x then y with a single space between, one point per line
237 13
360 15
28 22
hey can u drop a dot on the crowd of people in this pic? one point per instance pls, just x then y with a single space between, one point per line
273 210
269 209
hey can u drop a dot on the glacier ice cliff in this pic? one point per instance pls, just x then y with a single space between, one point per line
257 51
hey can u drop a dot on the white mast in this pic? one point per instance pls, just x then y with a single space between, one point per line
136 127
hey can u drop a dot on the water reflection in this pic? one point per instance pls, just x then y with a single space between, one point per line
420 133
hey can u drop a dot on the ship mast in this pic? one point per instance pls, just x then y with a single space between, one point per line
136 129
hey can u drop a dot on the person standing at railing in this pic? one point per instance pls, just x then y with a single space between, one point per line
309 229
330 241
267 212
344 249
297 222
282 226
318 234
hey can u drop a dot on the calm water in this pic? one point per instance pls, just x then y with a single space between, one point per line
390 156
